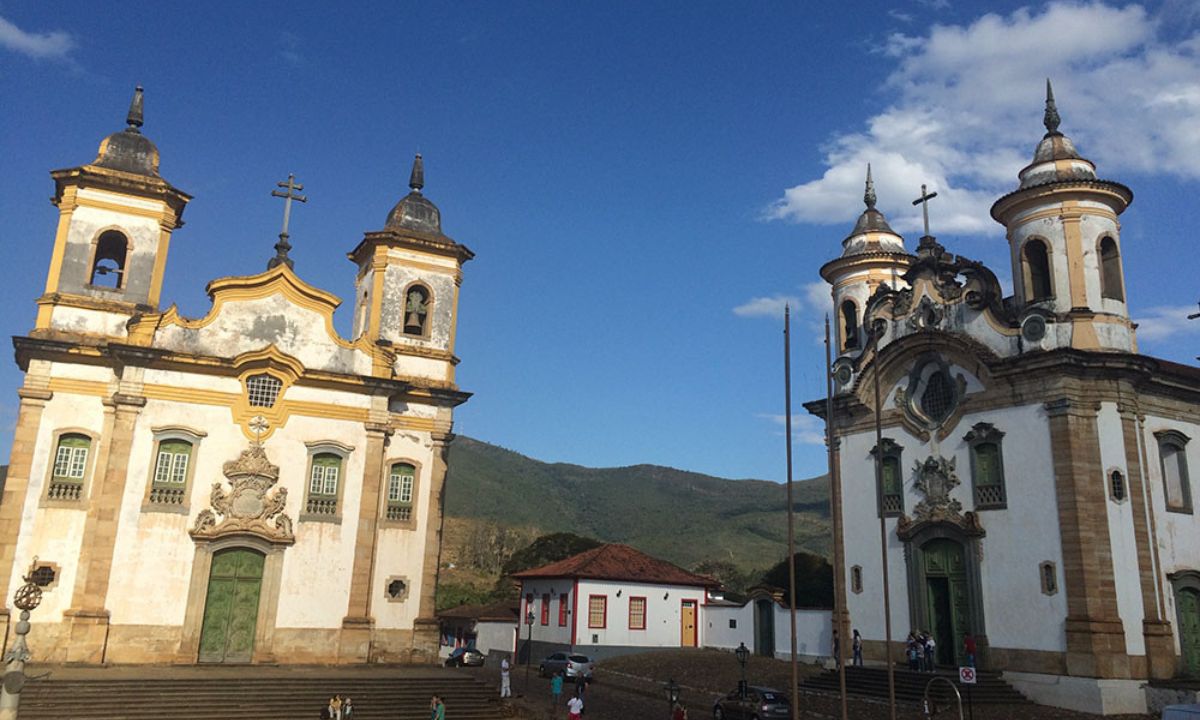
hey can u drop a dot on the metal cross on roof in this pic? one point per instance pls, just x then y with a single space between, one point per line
282 247
923 201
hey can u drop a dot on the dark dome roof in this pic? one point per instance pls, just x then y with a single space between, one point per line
415 211
129 150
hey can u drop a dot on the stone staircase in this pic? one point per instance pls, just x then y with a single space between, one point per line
254 693
910 686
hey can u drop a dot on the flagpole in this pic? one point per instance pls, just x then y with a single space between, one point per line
835 507
791 518
887 597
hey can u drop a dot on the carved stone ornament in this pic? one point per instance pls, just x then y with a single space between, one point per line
927 316
252 504
936 477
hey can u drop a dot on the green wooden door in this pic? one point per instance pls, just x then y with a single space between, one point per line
231 607
1188 600
946 601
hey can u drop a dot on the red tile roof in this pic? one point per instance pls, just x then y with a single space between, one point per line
496 612
618 562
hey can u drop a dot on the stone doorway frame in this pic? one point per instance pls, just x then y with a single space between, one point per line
1183 579
268 600
915 537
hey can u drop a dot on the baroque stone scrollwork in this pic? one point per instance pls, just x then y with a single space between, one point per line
936 477
928 315
252 504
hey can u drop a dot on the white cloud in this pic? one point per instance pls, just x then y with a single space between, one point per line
900 15
963 113
49 45
806 429
766 306
1163 323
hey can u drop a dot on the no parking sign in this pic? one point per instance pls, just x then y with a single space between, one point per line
966 676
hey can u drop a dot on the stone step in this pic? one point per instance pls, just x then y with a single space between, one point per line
910 686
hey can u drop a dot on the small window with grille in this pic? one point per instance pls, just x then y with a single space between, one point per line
70 467
891 478
1049 577
987 466
324 475
856 579
171 464
401 481
263 390
1116 485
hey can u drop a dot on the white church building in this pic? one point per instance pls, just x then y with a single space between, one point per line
246 486
1035 481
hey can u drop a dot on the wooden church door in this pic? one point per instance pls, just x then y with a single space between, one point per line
947 602
231 607
1188 600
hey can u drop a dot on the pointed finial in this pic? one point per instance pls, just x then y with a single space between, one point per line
416 181
134 118
869 195
1051 119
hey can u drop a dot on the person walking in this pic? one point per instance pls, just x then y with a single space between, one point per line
505 679
437 709
678 712
912 652
930 654
335 707
580 684
856 648
969 647
347 709
556 684
575 708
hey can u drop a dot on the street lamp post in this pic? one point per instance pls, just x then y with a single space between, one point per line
27 597
528 647
672 696
742 654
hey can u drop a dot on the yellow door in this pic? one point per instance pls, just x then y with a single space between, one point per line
687 625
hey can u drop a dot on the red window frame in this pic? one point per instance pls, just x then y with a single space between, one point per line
545 608
562 609
631 601
528 606
603 612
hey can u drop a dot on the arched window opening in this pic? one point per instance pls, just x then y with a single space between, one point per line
1110 270
416 311
400 492
1117 485
987 466
323 477
1176 485
108 267
70 467
849 326
1037 271
891 478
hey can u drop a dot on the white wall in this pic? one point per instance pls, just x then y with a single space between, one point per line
556 589
718 633
663 612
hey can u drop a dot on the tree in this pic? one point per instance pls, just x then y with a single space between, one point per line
543 551
728 574
814 580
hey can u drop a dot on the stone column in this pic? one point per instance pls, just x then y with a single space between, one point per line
88 618
1095 635
1156 630
16 487
425 627
354 642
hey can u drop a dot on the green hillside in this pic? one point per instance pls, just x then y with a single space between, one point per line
680 516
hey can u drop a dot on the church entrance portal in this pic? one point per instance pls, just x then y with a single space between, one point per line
1188 601
947 603
231 606
764 627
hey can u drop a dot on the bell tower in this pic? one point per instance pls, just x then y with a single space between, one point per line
871 254
116 216
1064 238
406 292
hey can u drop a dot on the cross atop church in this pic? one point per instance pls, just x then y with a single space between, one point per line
283 246
923 201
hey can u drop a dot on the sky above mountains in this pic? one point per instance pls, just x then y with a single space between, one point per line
645 185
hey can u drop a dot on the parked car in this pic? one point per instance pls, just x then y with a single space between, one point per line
760 703
465 656
574 665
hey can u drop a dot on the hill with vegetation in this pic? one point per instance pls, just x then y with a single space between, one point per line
684 517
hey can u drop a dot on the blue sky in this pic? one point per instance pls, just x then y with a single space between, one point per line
644 184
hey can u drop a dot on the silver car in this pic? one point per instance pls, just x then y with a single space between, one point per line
571 665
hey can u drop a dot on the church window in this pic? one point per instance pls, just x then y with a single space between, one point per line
1173 456
324 474
891 479
987 466
1110 270
108 265
1116 485
545 609
1049 577
401 481
171 465
933 393
70 467
43 575
396 589
938 399
417 305
1037 271
597 611
263 390
856 583
849 325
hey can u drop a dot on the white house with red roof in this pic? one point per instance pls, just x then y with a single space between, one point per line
612 600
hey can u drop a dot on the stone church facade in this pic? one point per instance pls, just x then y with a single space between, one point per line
246 486
1034 468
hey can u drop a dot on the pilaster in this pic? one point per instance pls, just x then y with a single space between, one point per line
354 642
1094 633
16 486
425 627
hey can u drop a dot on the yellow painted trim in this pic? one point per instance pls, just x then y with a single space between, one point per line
66 208
1073 239
73 386
160 266
84 201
